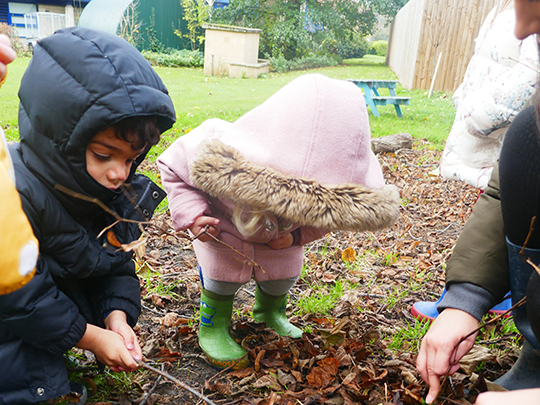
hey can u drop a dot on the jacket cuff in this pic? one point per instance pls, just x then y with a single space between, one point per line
118 304
470 298
78 329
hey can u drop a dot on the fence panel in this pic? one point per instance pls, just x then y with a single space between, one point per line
452 25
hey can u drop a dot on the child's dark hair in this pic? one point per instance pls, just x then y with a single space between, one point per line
141 131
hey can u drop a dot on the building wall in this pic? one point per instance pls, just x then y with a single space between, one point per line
29 30
47 8
16 12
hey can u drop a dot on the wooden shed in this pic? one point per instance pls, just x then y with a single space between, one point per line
421 23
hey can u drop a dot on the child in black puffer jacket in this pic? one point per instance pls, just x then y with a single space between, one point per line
91 107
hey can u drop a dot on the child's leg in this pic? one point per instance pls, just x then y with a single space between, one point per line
214 337
271 304
281 270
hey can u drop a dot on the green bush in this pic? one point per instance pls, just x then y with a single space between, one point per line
175 58
378 48
13 35
358 47
312 61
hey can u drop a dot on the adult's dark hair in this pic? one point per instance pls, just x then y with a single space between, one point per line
140 131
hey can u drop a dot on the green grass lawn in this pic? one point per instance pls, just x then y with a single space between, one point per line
197 98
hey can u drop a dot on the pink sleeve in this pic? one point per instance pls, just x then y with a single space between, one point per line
185 202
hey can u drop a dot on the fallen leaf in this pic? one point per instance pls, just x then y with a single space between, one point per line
349 255
269 381
113 241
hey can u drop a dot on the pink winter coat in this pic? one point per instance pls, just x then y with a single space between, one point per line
304 156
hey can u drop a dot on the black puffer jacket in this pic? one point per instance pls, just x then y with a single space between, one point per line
78 83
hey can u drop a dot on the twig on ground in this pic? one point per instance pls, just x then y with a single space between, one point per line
152 389
155 311
248 292
177 382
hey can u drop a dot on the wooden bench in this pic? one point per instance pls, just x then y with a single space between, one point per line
373 98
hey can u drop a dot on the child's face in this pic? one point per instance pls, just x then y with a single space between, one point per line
109 158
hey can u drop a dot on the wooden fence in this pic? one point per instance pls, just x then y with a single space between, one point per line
453 24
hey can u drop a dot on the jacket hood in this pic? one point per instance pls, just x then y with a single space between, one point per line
78 83
222 172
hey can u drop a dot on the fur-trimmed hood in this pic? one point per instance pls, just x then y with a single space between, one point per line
224 173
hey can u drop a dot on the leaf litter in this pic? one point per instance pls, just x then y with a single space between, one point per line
355 350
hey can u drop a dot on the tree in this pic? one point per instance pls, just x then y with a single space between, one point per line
196 13
294 27
130 24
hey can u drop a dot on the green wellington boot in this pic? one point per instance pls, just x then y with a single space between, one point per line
215 339
271 309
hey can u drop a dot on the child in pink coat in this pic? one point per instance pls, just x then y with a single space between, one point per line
281 176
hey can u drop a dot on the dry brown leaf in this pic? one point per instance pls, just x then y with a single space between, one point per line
329 277
474 357
260 355
135 245
285 379
169 319
324 374
242 373
269 381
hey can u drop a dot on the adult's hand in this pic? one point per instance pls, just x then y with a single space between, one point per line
438 353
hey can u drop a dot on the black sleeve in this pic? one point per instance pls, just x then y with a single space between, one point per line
41 315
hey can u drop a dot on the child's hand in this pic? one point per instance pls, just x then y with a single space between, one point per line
436 356
7 54
284 241
116 321
200 223
108 347
526 397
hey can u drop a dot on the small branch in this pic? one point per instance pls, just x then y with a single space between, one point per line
531 229
83 197
152 389
248 259
120 219
177 382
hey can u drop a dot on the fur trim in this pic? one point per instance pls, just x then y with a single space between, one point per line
222 172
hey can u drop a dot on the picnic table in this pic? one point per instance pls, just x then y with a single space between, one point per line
373 98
